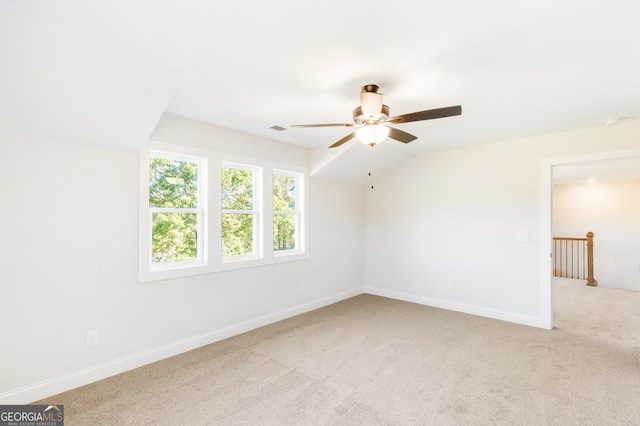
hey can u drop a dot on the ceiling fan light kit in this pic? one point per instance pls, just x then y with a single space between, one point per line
372 134
372 117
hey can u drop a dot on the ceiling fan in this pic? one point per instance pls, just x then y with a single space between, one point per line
373 122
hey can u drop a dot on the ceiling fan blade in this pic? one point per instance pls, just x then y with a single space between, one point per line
429 114
401 136
325 125
343 140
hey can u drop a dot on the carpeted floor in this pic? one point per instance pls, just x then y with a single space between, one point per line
375 361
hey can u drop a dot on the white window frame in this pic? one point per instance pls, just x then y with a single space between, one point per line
147 268
298 213
256 212
211 179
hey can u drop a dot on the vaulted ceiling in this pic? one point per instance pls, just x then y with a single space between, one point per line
104 72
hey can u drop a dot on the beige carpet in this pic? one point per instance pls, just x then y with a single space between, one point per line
375 361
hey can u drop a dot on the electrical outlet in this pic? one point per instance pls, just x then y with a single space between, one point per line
92 338
450 285
301 288
429 283
522 236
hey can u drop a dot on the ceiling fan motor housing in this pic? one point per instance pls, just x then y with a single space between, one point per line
359 118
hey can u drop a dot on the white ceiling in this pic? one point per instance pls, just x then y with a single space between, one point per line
104 71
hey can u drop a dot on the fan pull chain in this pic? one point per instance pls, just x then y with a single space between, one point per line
371 164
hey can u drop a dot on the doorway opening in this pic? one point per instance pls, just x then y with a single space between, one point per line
618 165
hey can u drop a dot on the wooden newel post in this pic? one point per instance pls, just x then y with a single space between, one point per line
590 280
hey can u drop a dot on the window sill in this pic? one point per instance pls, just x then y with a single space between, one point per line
188 271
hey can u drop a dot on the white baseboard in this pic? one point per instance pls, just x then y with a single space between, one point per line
458 307
46 388
83 377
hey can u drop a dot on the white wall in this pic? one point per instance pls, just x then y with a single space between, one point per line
68 257
452 217
611 210
68 253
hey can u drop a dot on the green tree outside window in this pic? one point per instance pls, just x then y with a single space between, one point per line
284 217
173 199
238 218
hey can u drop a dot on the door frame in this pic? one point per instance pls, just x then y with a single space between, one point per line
546 212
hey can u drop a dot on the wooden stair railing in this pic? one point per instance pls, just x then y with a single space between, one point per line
573 258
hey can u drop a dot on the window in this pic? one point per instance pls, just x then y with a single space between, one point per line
176 208
286 212
203 211
240 221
